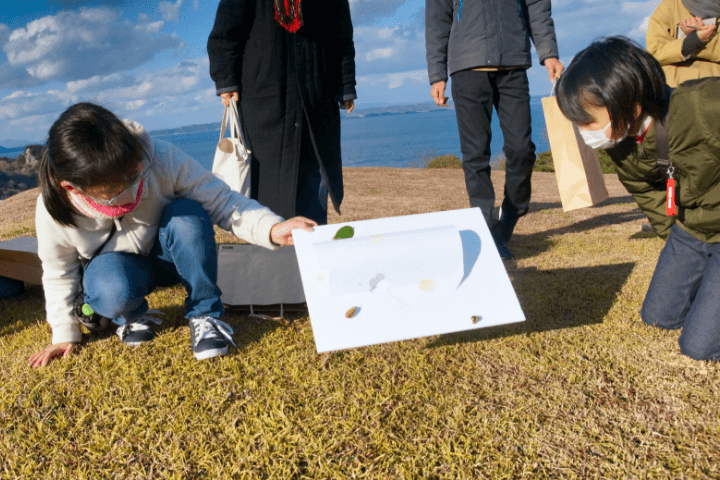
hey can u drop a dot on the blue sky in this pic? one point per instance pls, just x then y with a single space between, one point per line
146 59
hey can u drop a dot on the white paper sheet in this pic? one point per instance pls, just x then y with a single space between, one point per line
406 277
405 266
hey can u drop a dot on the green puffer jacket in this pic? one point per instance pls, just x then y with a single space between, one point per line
694 149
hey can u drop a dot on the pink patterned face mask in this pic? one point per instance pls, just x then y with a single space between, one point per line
125 203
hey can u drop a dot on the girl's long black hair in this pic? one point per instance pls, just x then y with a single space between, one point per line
615 73
87 145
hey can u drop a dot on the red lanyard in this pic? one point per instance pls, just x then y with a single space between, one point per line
671 210
670 205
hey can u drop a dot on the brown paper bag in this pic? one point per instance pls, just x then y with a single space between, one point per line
577 168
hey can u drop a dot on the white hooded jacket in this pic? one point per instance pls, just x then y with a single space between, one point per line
168 174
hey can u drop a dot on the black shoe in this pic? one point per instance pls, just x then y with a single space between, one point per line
87 316
508 220
505 253
139 330
209 337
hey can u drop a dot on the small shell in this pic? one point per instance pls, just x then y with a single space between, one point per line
475 319
351 313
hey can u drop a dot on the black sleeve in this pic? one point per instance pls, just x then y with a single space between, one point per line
225 44
347 46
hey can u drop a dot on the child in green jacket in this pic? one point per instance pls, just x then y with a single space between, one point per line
617 95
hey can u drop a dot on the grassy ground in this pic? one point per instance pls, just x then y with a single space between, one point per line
582 389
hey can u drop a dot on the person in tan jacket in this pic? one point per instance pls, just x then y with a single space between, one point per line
679 38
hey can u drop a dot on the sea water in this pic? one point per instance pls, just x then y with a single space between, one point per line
400 140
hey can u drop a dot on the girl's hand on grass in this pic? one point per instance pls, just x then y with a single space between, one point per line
43 357
281 233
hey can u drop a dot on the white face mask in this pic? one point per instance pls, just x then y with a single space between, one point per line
123 203
597 139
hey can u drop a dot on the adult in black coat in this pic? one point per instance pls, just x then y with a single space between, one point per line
290 64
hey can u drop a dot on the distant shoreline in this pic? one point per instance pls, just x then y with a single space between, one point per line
425 107
214 127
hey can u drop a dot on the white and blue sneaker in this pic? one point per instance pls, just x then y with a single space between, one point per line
209 337
139 331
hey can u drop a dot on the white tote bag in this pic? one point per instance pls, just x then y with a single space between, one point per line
232 158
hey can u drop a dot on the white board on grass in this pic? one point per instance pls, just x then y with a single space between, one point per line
406 277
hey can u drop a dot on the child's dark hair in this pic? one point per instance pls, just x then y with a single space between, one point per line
615 73
87 145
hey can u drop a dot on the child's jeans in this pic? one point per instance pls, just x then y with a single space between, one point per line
116 283
685 292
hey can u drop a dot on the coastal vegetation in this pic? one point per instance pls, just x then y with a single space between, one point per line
543 162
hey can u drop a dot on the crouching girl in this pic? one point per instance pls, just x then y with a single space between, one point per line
616 93
121 214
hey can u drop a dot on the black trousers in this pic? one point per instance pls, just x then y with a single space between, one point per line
475 94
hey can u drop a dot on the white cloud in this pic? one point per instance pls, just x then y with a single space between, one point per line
378 53
68 4
16 77
389 49
183 78
166 98
124 93
640 9
393 88
35 126
76 45
393 80
399 79
640 30
99 83
134 105
599 19
171 11
23 104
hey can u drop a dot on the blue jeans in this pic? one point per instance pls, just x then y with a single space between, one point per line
116 283
685 293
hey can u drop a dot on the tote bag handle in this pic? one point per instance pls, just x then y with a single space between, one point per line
236 131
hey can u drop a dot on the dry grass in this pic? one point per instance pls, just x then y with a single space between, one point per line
582 389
